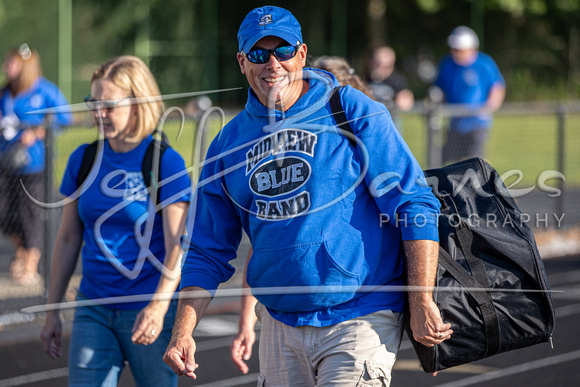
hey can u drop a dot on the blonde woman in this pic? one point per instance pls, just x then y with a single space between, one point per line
22 157
129 249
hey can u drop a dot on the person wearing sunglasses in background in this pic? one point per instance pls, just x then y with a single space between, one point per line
130 249
22 157
311 204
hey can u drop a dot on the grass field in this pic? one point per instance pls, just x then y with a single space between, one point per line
524 143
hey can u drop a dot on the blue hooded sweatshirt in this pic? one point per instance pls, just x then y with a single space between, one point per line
325 218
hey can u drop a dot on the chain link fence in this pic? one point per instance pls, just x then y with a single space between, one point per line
535 147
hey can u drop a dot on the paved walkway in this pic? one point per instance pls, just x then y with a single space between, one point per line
14 325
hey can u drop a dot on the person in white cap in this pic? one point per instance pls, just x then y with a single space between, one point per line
331 219
471 78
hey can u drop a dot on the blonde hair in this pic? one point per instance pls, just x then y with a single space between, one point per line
30 71
132 74
343 72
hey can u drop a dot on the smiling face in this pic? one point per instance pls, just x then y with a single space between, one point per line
277 84
118 122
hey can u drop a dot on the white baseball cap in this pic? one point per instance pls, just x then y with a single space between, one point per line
463 38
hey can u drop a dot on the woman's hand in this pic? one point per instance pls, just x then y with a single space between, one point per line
51 335
149 323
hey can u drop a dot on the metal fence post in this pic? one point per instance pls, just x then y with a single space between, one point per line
561 155
434 150
50 223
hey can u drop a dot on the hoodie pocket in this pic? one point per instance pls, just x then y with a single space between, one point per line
300 278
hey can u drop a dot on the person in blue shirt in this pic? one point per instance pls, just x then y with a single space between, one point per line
472 80
130 252
22 156
327 221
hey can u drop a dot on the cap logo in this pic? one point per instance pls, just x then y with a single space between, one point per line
266 19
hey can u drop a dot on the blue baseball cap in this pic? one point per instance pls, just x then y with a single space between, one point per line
268 21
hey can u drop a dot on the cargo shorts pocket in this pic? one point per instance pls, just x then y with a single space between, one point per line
258 311
375 375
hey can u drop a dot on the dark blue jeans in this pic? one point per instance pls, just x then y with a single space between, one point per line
101 343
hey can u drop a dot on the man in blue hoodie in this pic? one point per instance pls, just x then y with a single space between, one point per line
328 214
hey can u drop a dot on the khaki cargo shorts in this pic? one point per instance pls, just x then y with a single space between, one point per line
357 352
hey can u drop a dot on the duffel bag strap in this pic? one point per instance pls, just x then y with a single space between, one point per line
465 238
480 295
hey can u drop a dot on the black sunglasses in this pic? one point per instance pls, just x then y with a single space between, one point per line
94 104
262 55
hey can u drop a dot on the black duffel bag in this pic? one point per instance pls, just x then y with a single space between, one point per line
491 283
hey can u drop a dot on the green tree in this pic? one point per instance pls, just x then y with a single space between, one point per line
190 45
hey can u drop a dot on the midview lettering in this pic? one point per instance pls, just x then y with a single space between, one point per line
288 140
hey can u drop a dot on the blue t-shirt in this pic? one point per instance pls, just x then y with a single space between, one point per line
319 212
124 248
469 85
41 95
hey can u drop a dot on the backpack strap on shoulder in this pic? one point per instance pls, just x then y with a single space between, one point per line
87 162
152 170
339 115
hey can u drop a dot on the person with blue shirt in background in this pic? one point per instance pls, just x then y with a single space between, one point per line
311 204
22 156
471 78
131 250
